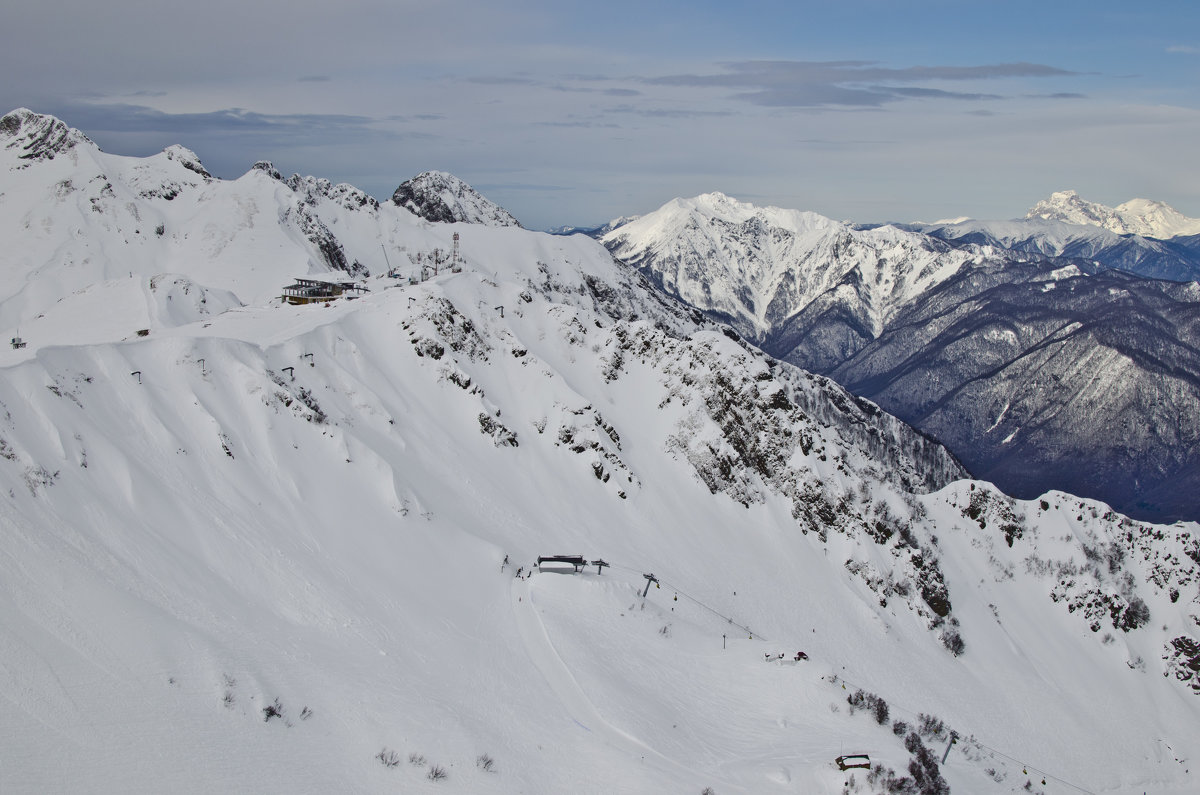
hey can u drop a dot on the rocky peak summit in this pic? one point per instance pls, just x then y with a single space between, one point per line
38 136
444 198
188 159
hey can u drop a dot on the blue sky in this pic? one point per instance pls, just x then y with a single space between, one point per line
572 113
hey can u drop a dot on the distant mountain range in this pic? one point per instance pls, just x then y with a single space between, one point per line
1134 217
1091 247
1018 344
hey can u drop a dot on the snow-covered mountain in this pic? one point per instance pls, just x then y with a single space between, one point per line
87 228
946 333
778 275
275 546
1038 376
594 231
438 196
1135 217
1092 248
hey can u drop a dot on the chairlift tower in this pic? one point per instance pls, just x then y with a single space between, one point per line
455 257
390 272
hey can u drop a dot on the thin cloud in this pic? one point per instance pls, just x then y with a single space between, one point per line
608 92
577 124
668 113
1057 95
844 141
122 118
503 186
502 81
414 117
934 93
810 84
314 79
1186 49
816 96
588 78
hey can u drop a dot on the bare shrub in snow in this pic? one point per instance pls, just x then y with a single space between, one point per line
878 708
486 763
230 684
437 773
930 726
274 710
501 436
954 642
1134 616
388 757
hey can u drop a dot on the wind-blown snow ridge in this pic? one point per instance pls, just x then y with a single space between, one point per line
1134 217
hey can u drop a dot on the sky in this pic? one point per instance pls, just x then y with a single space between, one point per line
570 113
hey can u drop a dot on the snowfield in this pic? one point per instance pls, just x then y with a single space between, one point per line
262 546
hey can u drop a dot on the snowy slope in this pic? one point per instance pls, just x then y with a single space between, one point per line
1134 217
309 507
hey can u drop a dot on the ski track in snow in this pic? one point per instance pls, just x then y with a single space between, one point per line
546 659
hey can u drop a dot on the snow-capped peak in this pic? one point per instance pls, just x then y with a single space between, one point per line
37 136
1137 216
444 198
760 265
186 158
268 168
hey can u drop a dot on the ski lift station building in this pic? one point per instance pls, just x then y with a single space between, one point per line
317 290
